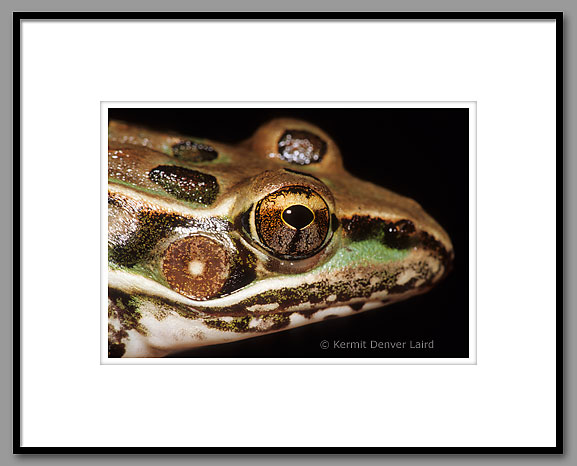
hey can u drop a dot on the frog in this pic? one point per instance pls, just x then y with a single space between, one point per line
211 242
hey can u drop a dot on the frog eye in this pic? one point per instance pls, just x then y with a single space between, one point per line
292 222
301 147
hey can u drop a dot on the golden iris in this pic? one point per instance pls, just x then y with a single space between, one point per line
292 222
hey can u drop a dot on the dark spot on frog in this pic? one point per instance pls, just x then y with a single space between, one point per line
301 147
330 316
308 314
356 306
243 268
116 350
194 152
243 222
185 184
334 223
397 235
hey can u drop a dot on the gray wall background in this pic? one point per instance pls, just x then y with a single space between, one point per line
569 7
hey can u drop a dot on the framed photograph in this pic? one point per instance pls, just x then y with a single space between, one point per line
331 223
372 249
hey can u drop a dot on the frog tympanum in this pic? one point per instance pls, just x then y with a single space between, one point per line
210 242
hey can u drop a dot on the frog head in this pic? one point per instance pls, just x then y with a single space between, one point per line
211 242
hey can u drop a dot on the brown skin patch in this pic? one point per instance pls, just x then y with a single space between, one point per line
128 133
196 267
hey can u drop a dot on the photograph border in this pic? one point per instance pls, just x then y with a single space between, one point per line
323 16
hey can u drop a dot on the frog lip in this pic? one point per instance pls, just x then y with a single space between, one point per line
391 281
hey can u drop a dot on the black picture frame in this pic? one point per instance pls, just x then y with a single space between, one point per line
18 17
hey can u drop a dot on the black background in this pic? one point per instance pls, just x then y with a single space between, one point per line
419 153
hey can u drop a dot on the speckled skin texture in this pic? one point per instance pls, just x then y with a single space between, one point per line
194 259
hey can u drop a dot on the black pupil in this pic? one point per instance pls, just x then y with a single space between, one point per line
298 216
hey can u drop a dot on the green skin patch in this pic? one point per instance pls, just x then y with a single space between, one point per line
236 325
362 253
